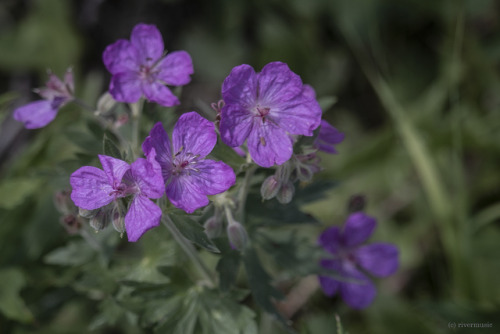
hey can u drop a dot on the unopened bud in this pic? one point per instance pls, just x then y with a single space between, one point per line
62 202
118 218
100 220
238 237
285 194
87 213
356 203
270 187
304 173
213 227
71 223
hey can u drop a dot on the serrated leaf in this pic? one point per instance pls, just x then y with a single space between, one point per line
11 303
194 232
110 148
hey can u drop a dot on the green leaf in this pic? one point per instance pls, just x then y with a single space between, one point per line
110 148
194 232
14 191
225 153
11 303
227 267
313 191
259 282
74 254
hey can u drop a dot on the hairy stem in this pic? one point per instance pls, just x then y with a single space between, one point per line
188 248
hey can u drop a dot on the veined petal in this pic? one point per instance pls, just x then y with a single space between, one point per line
184 194
360 294
158 140
114 168
194 134
269 145
236 123
91 188
357 229
36 114
330 240
158 93
378 259
214 177
328 137
299 115
240 87
176 68
277 84
147 175
126 87
142 215
121 56
147 39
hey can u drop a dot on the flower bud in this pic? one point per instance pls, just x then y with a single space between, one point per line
71 223
87 213
118 218
62 202
238 237
100 220
285 194
356 203
213 227
270 187
304 173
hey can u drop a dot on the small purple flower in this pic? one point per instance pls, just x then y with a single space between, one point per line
328 137
188 176
350 259
265 109
94 188
55 94
139 67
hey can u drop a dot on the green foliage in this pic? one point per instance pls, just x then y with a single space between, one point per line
11 304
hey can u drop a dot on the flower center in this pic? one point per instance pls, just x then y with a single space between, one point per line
147 73
262 112
123 190
184 163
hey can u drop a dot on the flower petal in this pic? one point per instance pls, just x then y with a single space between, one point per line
158 93
147 175
91 188
269 145
378 259
159 141
299 115
126 87
121 56
328 137
240 87
142 216
36 114
357 295
277 84
357 229
235 125
330 240
184 194
214 177
194 134
114 169
147 39
328 285
176 68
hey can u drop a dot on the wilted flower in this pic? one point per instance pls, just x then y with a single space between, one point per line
94 188
188 176
140 67
265 109
350 259
55 94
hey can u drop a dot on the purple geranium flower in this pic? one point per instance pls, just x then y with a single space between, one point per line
189 177
351 259
55 94
94 188
328 137
139 67
265 109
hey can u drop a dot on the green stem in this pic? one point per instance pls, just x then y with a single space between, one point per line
136 111
243 192
188 248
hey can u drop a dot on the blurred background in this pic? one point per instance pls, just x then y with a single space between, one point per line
414 85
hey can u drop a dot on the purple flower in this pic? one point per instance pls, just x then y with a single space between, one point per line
328 137
188 176
139 67
350 259
265 109
55 94
94 188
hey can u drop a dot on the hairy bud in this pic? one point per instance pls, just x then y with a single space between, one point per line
238 237
285 194
270 187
